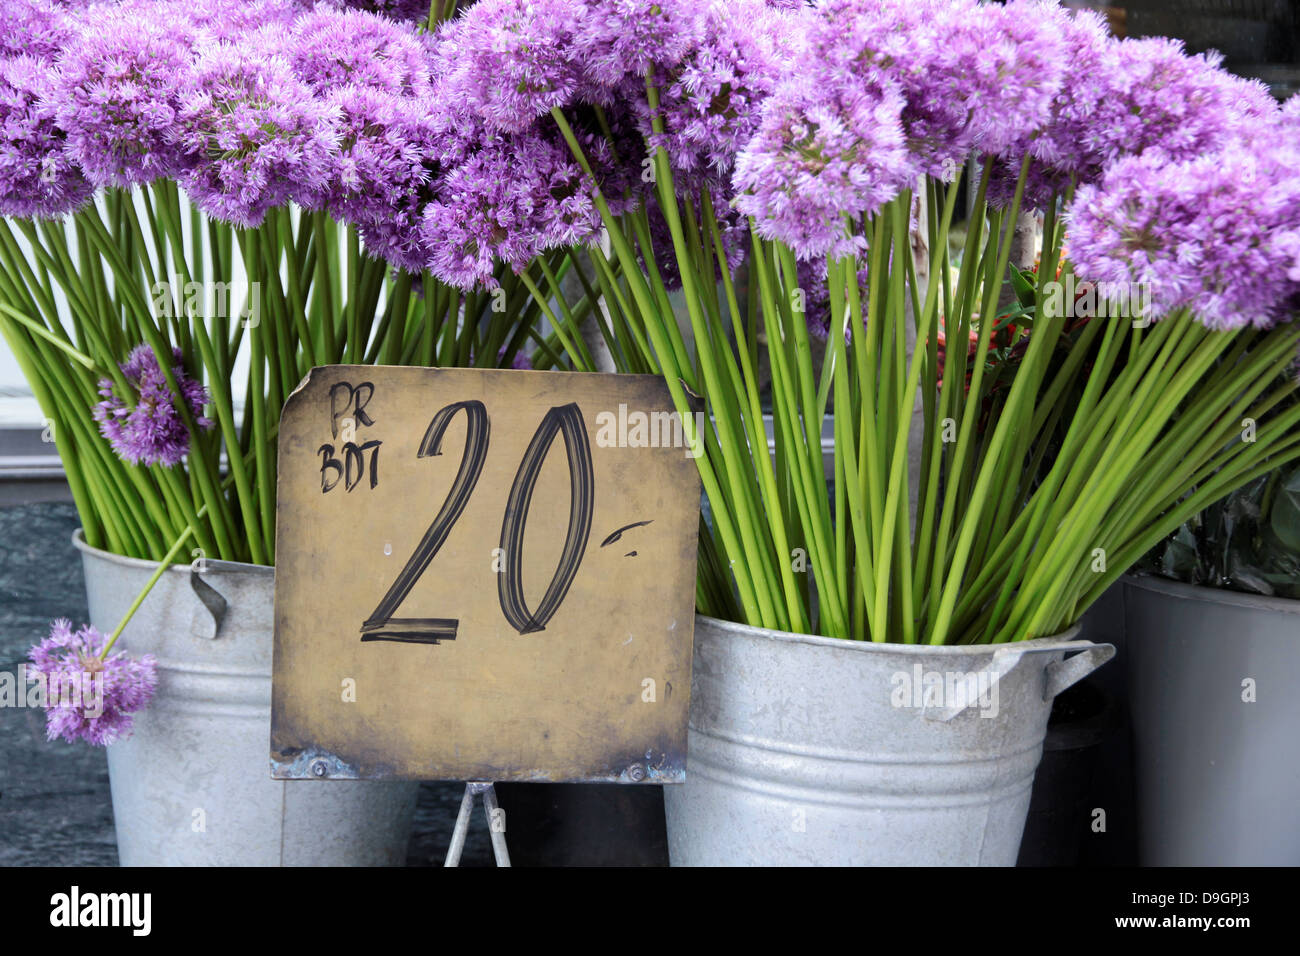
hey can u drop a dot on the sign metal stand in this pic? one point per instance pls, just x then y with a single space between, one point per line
461 830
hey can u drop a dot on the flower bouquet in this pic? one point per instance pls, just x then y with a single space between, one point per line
202 201
821 149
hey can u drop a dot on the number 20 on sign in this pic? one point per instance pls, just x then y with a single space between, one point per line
483 575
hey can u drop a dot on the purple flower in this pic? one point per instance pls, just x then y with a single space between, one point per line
388 153
615 39
813 275
1290 116
1126 97
37 28
710 100
1217 234
887 91
119 88
150 430
733 230
36 178
329 50
517 197
972 76
215 20
822 157
1182 105
1057 148
255 135
513 60
87 698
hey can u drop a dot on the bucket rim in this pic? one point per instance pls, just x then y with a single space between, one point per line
919 650
1168 587
227 567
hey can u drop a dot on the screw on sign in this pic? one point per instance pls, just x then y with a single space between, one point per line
385 575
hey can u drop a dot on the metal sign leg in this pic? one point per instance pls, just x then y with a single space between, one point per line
495 830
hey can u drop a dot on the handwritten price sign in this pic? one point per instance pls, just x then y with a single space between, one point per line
483 575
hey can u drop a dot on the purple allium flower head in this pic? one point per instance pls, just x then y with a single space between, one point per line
256 135
1217 234
1056 149
150 431
710 100
87 698
119 88
885 92
1291 117
389 152
215 20
36 178
1182 105
514 60
821 157
519 196
329 50
1130 96
615 39
37 28
973 76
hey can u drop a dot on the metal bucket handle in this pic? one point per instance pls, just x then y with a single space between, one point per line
1060 674
1070 670
211 600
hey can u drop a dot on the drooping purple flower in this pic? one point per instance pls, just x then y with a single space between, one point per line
329 50
255 134
119 89
1217 234
149 429
87 698
733 232
36 177
812 275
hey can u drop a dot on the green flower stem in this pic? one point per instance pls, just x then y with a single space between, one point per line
975 506
661 340
163 565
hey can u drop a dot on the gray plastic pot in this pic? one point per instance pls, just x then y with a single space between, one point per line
192 785
814 751
1216 773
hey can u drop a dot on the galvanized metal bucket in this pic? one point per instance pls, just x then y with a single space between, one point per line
1212 677
192 785
813 751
